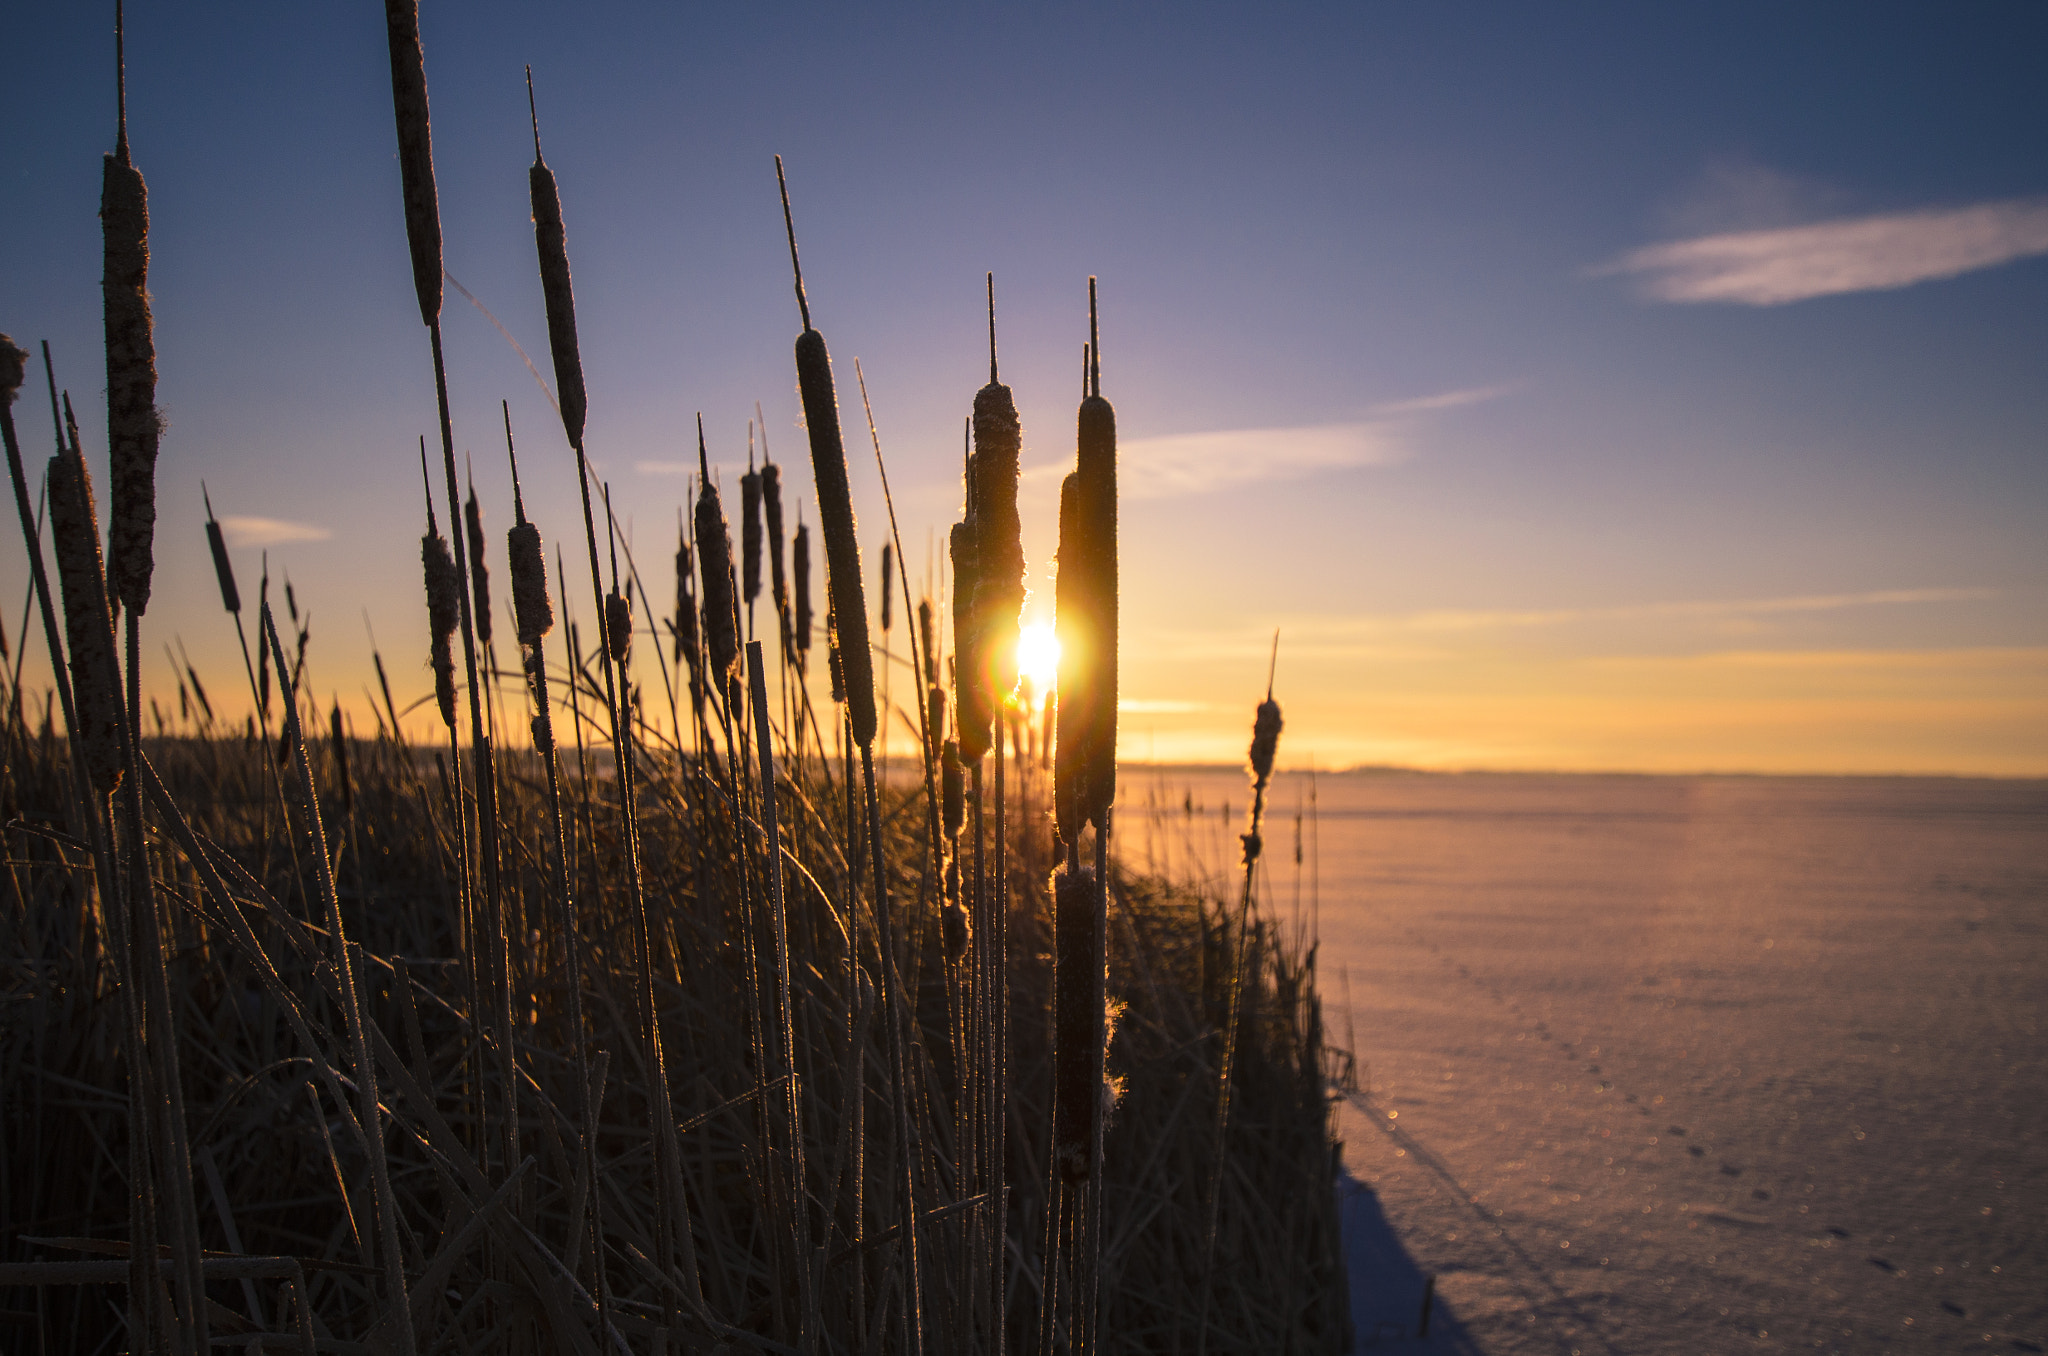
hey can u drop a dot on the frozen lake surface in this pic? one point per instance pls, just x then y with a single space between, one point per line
1672 1064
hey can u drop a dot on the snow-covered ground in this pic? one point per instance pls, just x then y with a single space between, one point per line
1660 1064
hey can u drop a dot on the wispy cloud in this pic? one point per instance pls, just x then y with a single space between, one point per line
1704 609
1200 463
1432 635
1848 254
270 531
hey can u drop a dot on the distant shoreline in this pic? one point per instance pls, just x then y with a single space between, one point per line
1393 770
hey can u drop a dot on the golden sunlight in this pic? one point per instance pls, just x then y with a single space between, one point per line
1038 659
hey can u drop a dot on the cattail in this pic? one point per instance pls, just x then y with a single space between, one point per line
714 561
1265 743
532 612
888 614
952 789
479 575
132 425
835 509
750 535
684 630
415 153
223 568
13 370
618 626
1077 1020
955 928
970 704
834 663
340 742
999 544
935 720
924 638
551 242
800 563
771 506
444 601
95 680
1085 760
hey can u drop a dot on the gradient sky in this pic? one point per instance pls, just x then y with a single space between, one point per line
1575 386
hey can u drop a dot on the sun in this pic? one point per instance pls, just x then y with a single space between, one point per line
1038 659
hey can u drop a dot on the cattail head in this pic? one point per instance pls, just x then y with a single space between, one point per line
835 504
971 714
935 720
531 607
415 152
532 613
444 608
800 567
618 626
479 574
925 641
1085 760
88 627
888 560
13 369
834 663
955 930
842 545
952 789
551 242
750 535
132 426
771 507
1265 740
684 629
999 542
223 568
714 561
1078 971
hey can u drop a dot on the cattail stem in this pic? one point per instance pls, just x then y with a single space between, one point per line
368 1111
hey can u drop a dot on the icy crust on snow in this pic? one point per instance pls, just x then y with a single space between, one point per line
1679 1065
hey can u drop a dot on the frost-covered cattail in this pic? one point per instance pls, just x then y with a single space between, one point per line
479 574
835 509
132 425
800 565
1077 1020
714 560
771 509
415 152
750 535
833 661
1085 760
223 568
952 789
888 612
551 242
88 629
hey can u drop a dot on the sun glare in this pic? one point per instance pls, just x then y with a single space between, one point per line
1038 659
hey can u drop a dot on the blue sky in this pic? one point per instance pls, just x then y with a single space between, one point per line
1399 318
